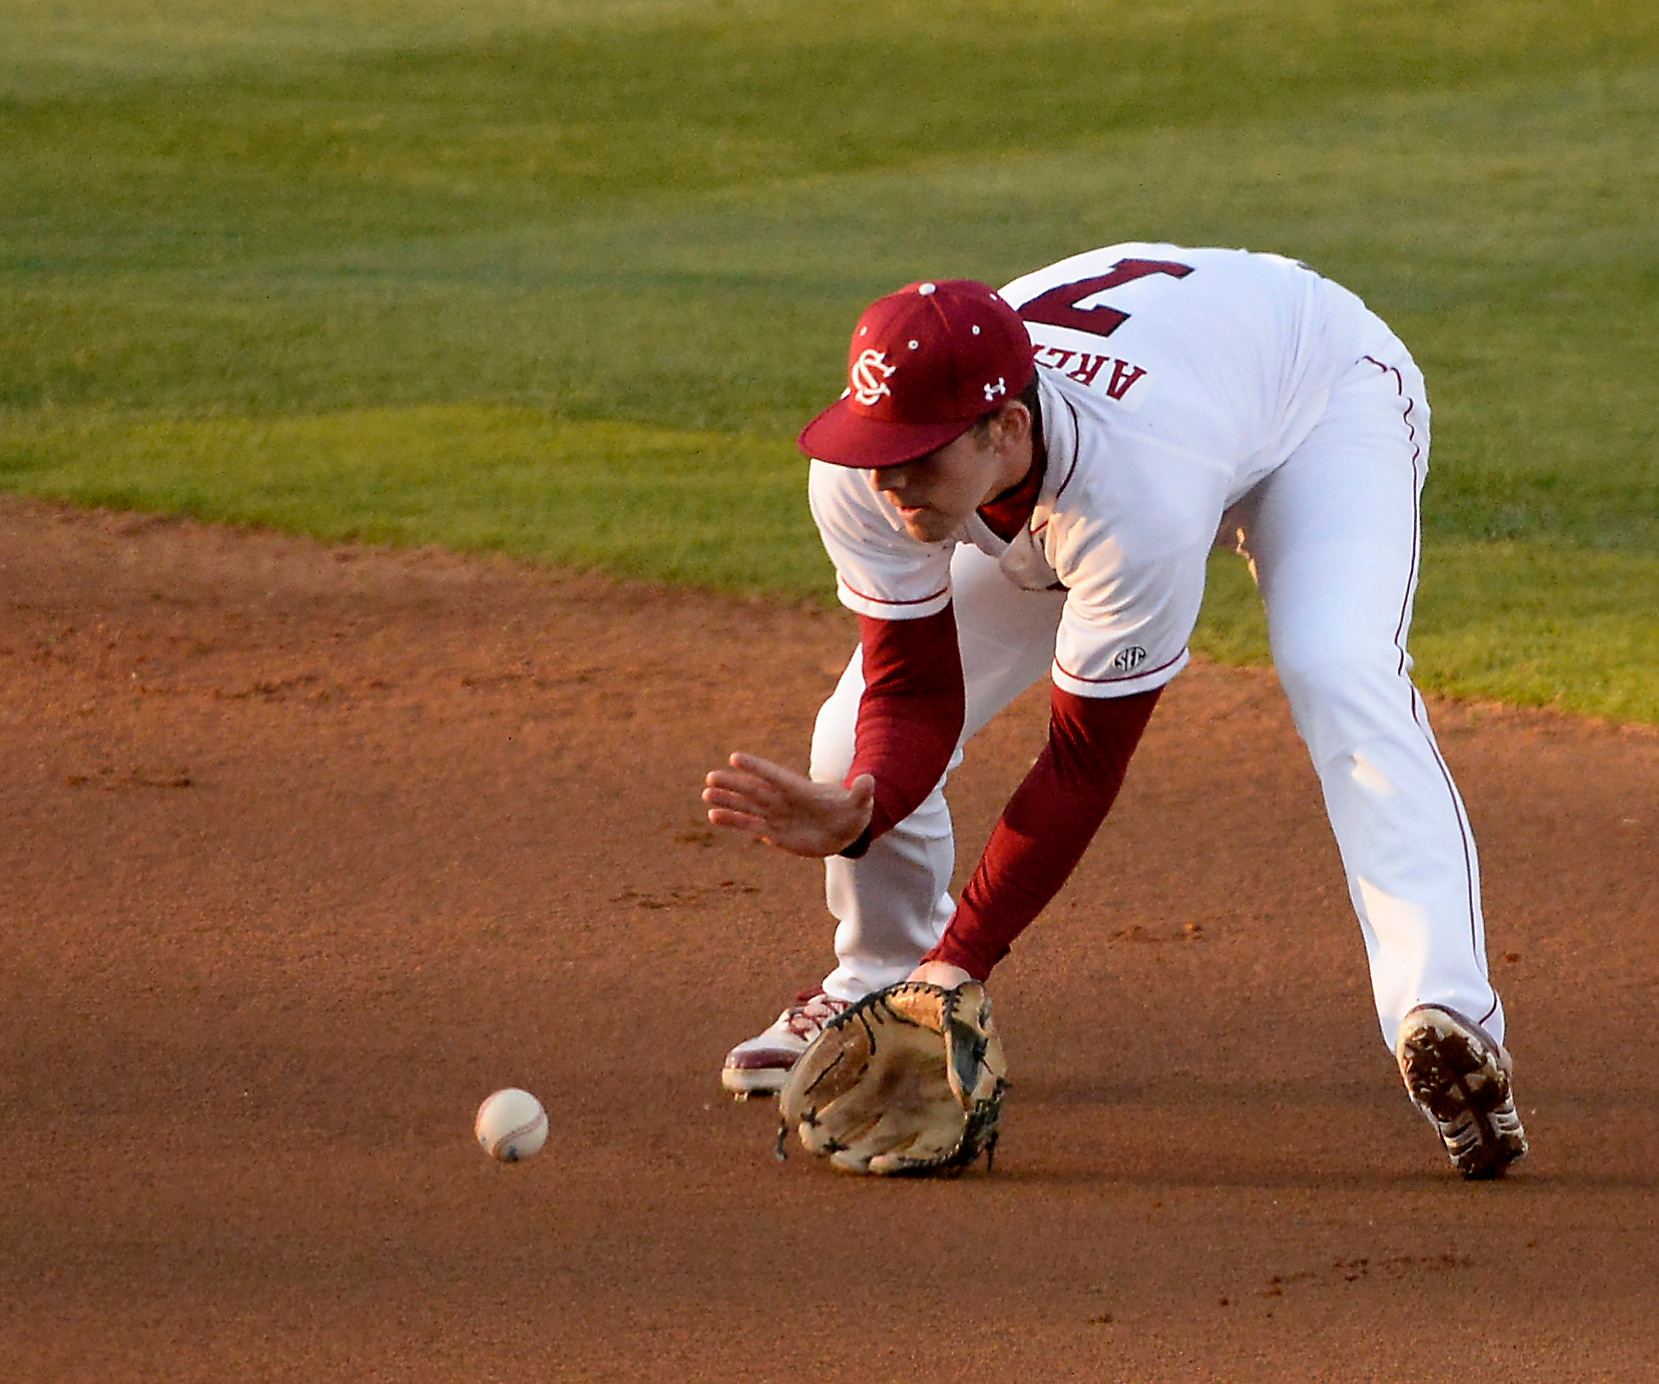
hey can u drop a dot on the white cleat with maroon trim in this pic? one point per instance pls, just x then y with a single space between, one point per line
758 1066
1460 1079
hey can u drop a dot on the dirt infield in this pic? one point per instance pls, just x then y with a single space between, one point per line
306 850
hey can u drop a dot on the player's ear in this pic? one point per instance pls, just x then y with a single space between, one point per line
1012 423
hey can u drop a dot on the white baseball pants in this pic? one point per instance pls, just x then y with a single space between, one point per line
1333 539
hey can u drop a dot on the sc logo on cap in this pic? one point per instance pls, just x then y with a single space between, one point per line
869 376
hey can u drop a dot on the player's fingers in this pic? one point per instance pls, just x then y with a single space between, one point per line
743 803
739 790
768 772
745 822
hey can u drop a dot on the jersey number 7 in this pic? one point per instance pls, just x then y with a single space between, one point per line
1058 307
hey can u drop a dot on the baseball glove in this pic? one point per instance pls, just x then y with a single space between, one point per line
907 1081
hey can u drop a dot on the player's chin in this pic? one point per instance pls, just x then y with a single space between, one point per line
926 525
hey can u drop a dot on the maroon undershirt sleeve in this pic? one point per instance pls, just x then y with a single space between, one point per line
910 716
1046 826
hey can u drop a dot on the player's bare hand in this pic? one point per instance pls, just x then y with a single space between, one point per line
786 809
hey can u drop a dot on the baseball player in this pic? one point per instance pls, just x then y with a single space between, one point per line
1029 482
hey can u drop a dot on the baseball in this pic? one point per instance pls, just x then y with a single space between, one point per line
511 1125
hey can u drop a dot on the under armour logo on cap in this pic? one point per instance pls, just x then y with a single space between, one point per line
925 364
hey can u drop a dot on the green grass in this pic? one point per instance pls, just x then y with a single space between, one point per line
1534 624
565 286
641 501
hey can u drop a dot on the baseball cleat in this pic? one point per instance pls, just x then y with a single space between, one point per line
758 1066
1460 1079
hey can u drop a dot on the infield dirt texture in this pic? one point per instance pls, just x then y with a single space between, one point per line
308 849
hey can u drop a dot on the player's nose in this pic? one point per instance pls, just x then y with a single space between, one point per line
890 479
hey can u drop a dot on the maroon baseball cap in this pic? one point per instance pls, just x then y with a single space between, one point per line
925 364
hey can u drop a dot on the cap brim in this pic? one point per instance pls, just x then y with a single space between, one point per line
845 438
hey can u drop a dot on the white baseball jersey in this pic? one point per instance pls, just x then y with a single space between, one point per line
1172 381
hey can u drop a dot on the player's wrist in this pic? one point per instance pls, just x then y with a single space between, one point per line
860 844
941 973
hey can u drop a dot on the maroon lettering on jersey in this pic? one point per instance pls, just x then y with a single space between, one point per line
1123 378
1058 358
1059 307
1087 368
